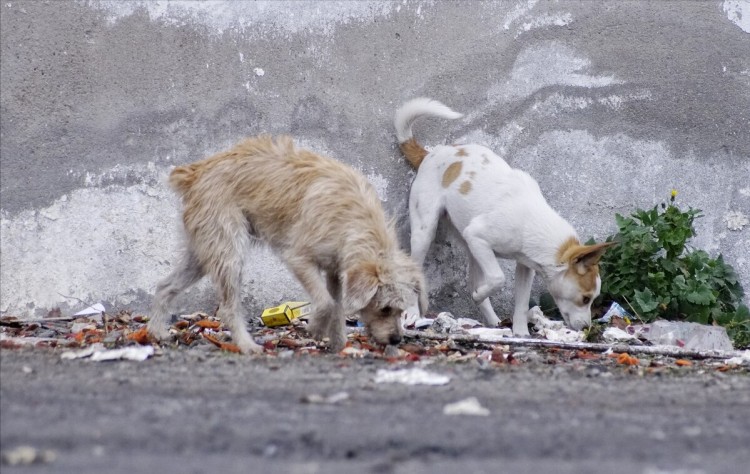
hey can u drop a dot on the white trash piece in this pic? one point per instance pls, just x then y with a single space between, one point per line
614 310
468 406
613 334
412 376
97 308
97 352
490 334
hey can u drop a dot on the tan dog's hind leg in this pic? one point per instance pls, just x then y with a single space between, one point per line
220 247
187 272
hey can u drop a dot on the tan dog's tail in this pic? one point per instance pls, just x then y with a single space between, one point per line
405 117
182 178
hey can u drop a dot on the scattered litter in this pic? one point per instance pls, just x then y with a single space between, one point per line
468 323
468 406
99 353
490 334
540 321
743 358
285 313
613 334
353 352
689 336
332 399
408 320
82 326
445 323
423 323
614 310
97 308
26 455
411 376
552 330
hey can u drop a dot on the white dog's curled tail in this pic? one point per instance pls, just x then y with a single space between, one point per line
405 117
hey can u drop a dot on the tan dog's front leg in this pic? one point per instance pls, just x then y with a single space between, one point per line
327 318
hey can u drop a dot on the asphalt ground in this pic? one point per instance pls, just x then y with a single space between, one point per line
195 410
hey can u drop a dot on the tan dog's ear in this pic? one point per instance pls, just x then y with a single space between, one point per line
586 256
360 283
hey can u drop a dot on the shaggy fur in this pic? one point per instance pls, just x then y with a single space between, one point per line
498 211
320 216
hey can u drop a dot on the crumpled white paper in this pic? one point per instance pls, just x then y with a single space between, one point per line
411 376
97 352
468 406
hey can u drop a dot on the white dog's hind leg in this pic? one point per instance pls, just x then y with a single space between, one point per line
483 254
521 295
424 215
485 307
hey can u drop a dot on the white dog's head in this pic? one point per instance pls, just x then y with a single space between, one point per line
576 282
380 292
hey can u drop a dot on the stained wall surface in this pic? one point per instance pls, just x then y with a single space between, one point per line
609 104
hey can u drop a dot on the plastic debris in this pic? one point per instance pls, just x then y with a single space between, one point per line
614 310
689 336
411 376
490 334
743 358
468 406
97 308
552 330
445 323
613 334
97 352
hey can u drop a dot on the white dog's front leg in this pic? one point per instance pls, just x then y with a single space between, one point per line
521 295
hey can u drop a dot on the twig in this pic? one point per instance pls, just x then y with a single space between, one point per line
599 347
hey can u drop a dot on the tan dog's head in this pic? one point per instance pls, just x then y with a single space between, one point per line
380 292
575 285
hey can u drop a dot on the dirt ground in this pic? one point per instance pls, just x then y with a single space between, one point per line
194 410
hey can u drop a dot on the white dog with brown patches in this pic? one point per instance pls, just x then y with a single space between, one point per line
500 212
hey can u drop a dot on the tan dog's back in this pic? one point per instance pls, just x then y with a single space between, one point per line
278 188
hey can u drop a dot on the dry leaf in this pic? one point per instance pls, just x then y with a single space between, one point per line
140 336
627 359
208 324
683 362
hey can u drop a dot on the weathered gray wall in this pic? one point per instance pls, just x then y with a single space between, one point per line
609 104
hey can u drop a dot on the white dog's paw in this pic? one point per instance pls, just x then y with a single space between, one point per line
521 331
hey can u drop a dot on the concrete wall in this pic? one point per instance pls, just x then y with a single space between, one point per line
609 104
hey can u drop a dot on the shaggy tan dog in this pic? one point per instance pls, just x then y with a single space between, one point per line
320 216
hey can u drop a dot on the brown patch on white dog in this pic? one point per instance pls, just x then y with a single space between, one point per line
461 152
414 152
583 261
465 187
320 216
451 173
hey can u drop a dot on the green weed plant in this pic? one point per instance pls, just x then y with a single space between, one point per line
658 275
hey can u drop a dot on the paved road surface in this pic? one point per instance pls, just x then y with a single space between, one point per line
192 411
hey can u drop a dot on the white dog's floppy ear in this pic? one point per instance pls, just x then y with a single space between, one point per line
588 255
360 283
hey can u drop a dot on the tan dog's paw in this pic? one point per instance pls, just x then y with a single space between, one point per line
248 346
159 332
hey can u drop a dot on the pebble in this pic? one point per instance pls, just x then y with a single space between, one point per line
25 455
